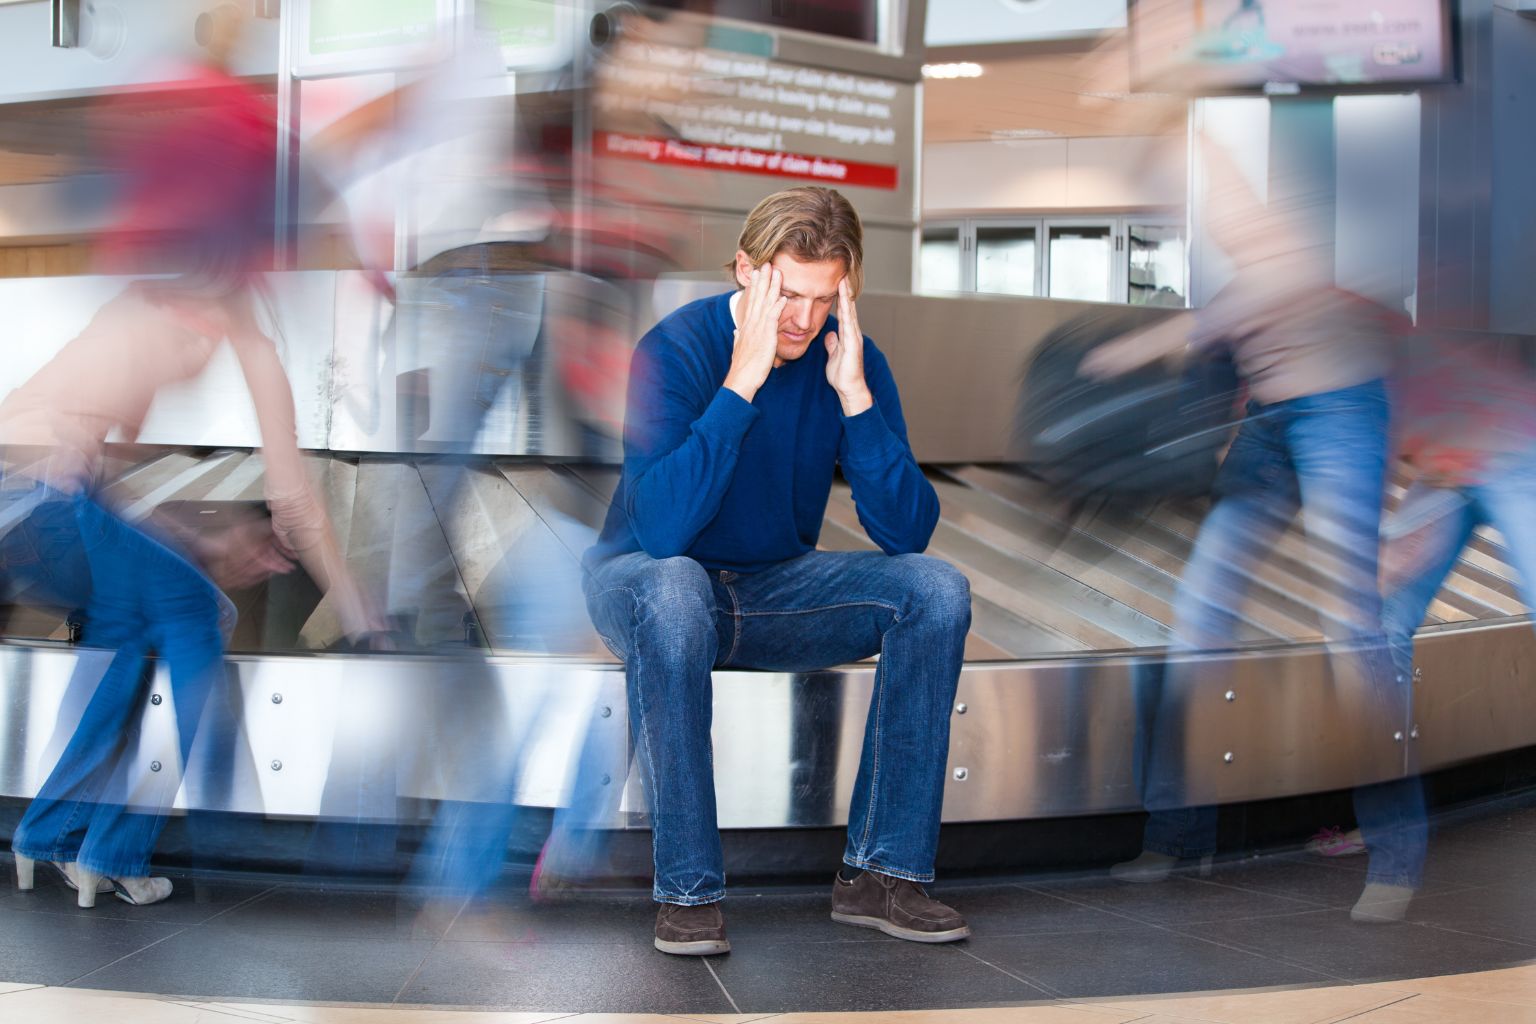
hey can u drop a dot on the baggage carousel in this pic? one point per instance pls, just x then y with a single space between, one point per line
1045 725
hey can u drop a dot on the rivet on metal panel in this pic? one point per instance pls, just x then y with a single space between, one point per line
606 712
961 709
961 774
277 766
277 698
1413 733
1418 674
156 699
1227 757
154 766
1397 737
1231 696
607 779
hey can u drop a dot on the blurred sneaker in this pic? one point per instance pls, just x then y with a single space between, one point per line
1335 842
1382 904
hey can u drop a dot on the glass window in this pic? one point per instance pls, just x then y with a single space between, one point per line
1005 260
1080 263
1156 268
939 261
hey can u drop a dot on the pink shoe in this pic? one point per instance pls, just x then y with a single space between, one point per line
1335 842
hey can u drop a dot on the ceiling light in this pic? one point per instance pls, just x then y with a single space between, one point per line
962 69
1007 134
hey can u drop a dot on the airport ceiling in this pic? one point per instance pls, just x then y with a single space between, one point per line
1070 88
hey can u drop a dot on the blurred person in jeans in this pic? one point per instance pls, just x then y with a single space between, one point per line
1467 429
1315 359
741 408
197 198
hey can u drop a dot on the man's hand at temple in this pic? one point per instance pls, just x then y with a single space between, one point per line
757 337
845 356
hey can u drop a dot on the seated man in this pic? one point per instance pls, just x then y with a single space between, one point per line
740 408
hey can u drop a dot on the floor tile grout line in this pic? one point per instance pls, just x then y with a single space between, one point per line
1474 935
416 971
1311 909
27 988
1212 942
1229 887
728 997
1372 1009
243 903
1023 979
127 956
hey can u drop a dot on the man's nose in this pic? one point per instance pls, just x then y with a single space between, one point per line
798 311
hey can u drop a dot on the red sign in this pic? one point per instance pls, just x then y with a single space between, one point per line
678 153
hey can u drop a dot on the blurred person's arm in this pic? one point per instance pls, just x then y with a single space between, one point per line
298 519
1167 339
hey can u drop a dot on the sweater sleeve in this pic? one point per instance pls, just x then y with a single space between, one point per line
682 437
895 502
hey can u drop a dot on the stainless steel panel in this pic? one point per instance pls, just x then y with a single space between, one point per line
1036 739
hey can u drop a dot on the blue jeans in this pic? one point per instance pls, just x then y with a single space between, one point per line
672 621
139 596
1505 497
1325 455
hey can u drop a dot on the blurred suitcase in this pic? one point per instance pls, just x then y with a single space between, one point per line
1157 432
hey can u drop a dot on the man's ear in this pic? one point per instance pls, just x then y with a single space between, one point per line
744 268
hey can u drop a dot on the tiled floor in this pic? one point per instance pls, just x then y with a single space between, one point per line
1261 941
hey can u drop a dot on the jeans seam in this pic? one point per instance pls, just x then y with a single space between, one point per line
736 617
894 609
874 745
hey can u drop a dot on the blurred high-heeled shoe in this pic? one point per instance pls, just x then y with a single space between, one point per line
138 891
26 874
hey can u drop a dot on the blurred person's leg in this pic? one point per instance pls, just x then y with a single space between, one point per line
141 595
1339 439
486 745
471 335
1425 537
1256 498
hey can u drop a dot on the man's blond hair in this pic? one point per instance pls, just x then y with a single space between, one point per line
811 224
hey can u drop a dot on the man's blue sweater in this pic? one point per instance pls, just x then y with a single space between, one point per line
739 486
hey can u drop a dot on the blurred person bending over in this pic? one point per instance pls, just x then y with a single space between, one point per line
1315 440
741 408
62 545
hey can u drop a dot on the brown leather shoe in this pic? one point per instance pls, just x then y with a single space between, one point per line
691 931
895 906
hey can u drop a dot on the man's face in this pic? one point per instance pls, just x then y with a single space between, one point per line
811 289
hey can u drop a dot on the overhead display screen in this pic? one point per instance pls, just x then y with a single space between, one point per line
847 19
358 36
1213 46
